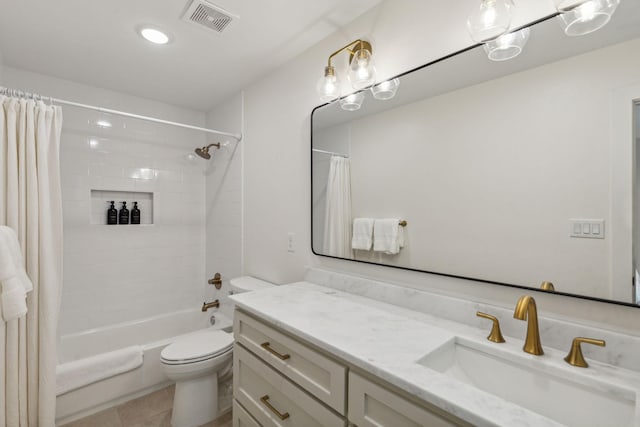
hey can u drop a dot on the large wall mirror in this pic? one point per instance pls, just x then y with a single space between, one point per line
514 172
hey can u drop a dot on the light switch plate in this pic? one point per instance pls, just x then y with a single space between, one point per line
586 228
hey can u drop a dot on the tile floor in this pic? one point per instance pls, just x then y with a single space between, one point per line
152 410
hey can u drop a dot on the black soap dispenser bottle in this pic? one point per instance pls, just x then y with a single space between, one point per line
135 214
112 214
123 217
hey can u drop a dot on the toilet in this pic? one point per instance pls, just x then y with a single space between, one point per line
194 361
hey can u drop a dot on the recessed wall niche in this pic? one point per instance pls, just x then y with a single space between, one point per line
101 201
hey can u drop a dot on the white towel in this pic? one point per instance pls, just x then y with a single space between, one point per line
13 278
388 236
362 234
79 373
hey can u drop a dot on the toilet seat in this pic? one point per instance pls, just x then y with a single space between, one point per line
197 347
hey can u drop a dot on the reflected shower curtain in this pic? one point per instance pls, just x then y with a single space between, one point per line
337 225
31 204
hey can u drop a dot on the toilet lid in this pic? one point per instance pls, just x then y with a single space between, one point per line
200 345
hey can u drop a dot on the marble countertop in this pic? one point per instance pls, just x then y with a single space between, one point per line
387 341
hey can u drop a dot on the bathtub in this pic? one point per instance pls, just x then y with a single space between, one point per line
153 334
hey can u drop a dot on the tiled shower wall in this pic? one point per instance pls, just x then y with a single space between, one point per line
119 273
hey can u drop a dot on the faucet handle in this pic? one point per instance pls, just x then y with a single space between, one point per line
575 357
495 335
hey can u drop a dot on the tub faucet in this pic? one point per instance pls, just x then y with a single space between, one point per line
207 305
526 310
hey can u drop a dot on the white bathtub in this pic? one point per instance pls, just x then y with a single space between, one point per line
153 334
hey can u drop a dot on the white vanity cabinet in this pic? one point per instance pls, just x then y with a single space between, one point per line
280 381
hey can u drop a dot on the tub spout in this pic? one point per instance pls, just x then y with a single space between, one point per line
207 305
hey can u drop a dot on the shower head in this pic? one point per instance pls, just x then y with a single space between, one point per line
204 151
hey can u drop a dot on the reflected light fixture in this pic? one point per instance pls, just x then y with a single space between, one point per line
385 90
352 102
580 17
362 72
507 46
103 124
489 20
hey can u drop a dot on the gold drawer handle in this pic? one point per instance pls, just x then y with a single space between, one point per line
265 401
266 346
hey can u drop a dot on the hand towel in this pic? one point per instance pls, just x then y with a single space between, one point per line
13 278
388 236
79 373
362 234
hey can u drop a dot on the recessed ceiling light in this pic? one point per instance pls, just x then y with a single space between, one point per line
154 35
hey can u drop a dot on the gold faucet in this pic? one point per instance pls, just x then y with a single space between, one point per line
526 310
207 305
575 356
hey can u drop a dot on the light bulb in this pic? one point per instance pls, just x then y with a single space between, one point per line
586 16
362 72
328 86
490 20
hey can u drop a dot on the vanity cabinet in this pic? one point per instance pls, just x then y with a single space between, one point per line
280 381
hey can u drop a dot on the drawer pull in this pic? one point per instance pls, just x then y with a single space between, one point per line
266 346
265 401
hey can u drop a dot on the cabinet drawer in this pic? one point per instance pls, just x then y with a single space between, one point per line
241 418
272 399
371 405
321 376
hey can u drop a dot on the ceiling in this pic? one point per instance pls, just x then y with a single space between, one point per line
96 43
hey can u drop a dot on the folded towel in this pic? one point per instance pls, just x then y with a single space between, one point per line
388 236
362 234
13 278
79 373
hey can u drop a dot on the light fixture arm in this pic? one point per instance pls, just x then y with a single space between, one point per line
362 45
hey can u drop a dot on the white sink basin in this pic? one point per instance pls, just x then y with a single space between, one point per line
564 395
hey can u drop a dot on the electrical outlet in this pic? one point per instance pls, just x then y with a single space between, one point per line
291 247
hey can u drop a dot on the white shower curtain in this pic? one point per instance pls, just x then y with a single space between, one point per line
337 223
31 204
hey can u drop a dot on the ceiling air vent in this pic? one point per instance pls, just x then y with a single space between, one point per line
208 15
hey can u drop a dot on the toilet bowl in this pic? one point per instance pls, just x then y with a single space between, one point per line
194 362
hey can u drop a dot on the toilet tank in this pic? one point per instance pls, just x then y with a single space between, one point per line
248 284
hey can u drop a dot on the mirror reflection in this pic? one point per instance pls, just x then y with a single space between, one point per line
516 172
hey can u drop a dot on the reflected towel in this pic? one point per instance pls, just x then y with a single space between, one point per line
388 236
79 373
13 278
362 234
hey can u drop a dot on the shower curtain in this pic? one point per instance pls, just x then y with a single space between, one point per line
337 224
31 204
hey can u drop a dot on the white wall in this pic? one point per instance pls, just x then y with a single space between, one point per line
224 200
405 34
119 273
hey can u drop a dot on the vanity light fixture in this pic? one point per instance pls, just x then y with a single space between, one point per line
489 20
507 46
103 124
362 72
580 17
385 90
153 35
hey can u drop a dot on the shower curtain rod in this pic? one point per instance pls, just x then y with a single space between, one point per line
333 153
34 96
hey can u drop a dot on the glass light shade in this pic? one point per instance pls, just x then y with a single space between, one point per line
507 46
489 20
352 102
328 86
362 72
586 16
385 90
